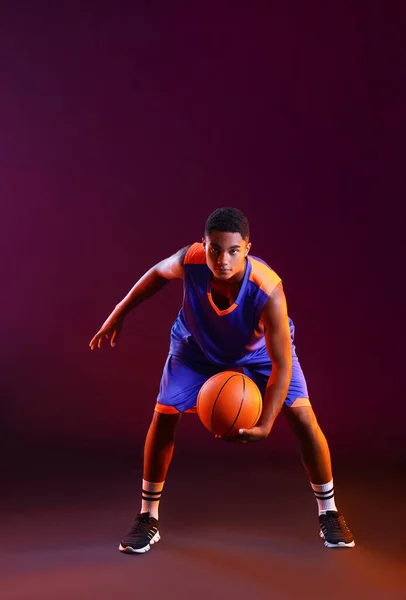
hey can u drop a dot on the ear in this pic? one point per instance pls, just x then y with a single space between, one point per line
204 243
248 248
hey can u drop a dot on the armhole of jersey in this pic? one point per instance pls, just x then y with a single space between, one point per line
195 255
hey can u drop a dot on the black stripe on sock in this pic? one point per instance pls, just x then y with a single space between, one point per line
324 497
324 493
151 499
152 493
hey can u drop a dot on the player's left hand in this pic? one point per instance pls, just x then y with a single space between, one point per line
255 434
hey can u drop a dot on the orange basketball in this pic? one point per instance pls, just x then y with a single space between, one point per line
227 402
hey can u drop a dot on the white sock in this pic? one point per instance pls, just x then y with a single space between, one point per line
325 496
151 495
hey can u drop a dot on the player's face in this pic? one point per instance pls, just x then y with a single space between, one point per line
225 254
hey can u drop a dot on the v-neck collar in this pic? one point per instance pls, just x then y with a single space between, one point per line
237 301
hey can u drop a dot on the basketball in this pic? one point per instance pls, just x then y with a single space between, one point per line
227 402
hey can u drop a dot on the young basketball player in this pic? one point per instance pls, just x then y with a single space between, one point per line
234 315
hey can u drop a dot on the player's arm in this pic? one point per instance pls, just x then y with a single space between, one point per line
278 342
277 337
148 285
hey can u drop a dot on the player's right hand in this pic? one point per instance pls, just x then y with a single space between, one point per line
109 330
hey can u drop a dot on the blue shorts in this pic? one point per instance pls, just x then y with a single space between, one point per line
182 379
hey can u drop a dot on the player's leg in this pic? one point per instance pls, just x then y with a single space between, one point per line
159 446
313 445
179 387
314 450
158 451
316 460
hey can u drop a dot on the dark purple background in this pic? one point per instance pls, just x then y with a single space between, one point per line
123 127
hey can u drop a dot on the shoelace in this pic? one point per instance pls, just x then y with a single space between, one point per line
140 524
337 523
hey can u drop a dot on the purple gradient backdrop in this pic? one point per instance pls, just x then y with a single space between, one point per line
124 127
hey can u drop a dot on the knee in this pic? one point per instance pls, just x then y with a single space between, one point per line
303 421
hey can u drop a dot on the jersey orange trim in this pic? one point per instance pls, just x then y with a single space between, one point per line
263 276
196 255
226 311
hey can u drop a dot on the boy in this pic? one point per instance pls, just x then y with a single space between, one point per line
233 316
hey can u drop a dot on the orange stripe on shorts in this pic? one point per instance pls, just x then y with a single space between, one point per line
300 402
171 410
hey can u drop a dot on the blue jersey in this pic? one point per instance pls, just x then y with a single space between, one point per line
232 337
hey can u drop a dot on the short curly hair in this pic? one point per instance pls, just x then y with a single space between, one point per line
228 219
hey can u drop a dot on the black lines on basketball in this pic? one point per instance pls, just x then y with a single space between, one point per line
217 397
239 409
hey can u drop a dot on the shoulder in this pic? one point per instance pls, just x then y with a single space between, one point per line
195 255
172 266
263 276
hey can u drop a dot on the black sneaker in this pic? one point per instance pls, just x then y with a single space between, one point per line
334 530
143 533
